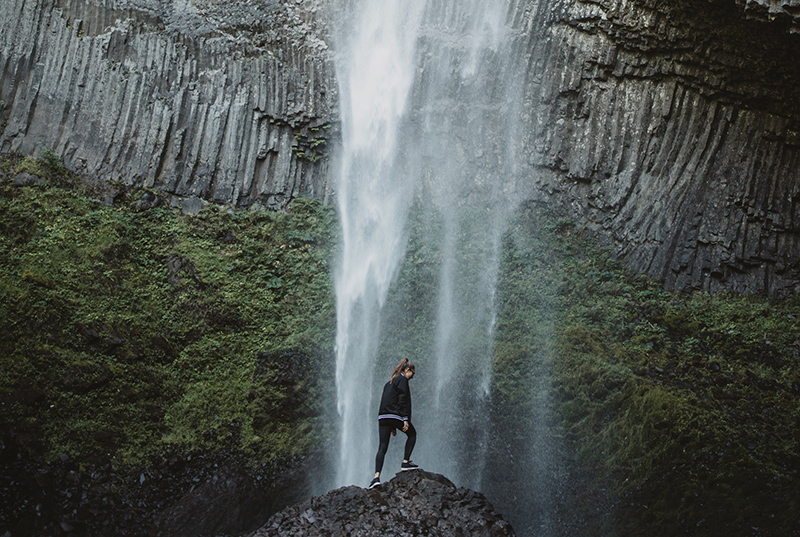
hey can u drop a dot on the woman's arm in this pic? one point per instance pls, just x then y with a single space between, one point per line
403 398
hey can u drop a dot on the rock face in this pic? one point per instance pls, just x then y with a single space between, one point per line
671 127
227 503
413 503
787 11
202 99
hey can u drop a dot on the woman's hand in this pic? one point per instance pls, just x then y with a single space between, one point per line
405 426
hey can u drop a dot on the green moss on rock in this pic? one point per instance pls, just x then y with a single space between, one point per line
137 328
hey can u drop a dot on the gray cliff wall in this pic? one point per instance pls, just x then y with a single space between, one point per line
672 128
219 104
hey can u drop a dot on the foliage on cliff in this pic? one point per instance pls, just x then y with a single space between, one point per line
132 330
132 333
687 404
684 406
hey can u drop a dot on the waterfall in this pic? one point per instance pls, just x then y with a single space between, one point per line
466 118
430 109
376 41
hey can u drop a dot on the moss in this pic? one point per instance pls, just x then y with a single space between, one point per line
676 402
149 331
682 397
47 166
141 328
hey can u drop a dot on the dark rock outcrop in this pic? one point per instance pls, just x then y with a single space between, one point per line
785 11
412 503
227 503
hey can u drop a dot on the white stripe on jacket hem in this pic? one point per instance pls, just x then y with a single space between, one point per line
391 417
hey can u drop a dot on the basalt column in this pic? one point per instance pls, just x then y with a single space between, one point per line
673 130
224 101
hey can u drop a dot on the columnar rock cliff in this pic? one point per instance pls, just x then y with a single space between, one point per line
670 127
673 128
227 101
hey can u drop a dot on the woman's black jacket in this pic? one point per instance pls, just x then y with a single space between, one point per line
396 400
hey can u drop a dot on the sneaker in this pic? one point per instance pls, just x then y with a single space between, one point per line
408 466
374 483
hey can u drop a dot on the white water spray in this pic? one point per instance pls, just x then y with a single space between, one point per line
375 66
428 113
468 130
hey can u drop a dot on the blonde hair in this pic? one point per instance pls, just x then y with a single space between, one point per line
401 367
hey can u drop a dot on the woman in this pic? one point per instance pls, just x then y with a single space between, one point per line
395 413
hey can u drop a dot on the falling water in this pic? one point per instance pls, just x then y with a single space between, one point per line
429 107
466 117
376 42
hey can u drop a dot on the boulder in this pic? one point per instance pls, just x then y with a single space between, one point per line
148 200
225 504
28 179
412 503
192 205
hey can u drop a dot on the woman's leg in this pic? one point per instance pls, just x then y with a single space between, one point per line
411 439
384 432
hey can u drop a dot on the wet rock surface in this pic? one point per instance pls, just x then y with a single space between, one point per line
411 503
670 128
217 100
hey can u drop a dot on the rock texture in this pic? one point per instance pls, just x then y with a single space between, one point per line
413 503
671 127
787 11
205 99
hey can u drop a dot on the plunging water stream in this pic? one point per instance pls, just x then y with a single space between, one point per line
430 105
375 65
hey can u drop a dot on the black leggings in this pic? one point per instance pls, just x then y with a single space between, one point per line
385 428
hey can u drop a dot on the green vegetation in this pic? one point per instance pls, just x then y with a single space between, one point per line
126 330
310 143
129 330
684 405
689 402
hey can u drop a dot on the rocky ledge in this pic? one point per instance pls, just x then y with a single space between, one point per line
412 503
